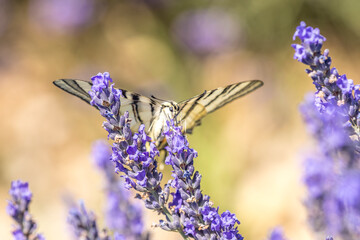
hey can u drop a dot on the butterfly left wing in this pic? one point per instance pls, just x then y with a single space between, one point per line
142 110
78 88
191 111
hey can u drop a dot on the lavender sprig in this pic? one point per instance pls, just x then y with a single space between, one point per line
193 209
190 212
121 214
18 209
332 175
130 153
84 225
333 89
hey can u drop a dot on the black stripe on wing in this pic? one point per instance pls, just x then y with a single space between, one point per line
75 87
219 95
191 111
222 96
228 94
193 105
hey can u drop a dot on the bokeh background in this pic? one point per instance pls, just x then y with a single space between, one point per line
250 151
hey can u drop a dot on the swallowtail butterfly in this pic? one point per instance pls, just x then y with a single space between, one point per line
154 112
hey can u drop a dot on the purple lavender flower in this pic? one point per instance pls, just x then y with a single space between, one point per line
277 234
129 151
101 153
122 215
206 31
190 212
84 225
64 16
332 175
195 211
334 91
18 209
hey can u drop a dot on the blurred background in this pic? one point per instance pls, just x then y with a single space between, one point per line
250 151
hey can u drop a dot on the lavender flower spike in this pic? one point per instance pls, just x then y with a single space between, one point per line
122 215
18 209
133 154
193 210
332 175
333 89
84 225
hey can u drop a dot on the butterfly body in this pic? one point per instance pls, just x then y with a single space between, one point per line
168 111
153 112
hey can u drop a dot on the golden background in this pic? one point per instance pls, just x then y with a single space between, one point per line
250 152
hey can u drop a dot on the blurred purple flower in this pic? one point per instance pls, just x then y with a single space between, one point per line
317 175
277 234
66 16
101 153
18 209
331 176
84 225
206 31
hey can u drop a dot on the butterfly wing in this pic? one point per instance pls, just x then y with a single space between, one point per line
78 88
191 111
142 110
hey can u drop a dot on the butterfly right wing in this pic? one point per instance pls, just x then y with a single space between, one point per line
142 110
191 111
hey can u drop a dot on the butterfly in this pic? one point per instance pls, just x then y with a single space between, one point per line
154 112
